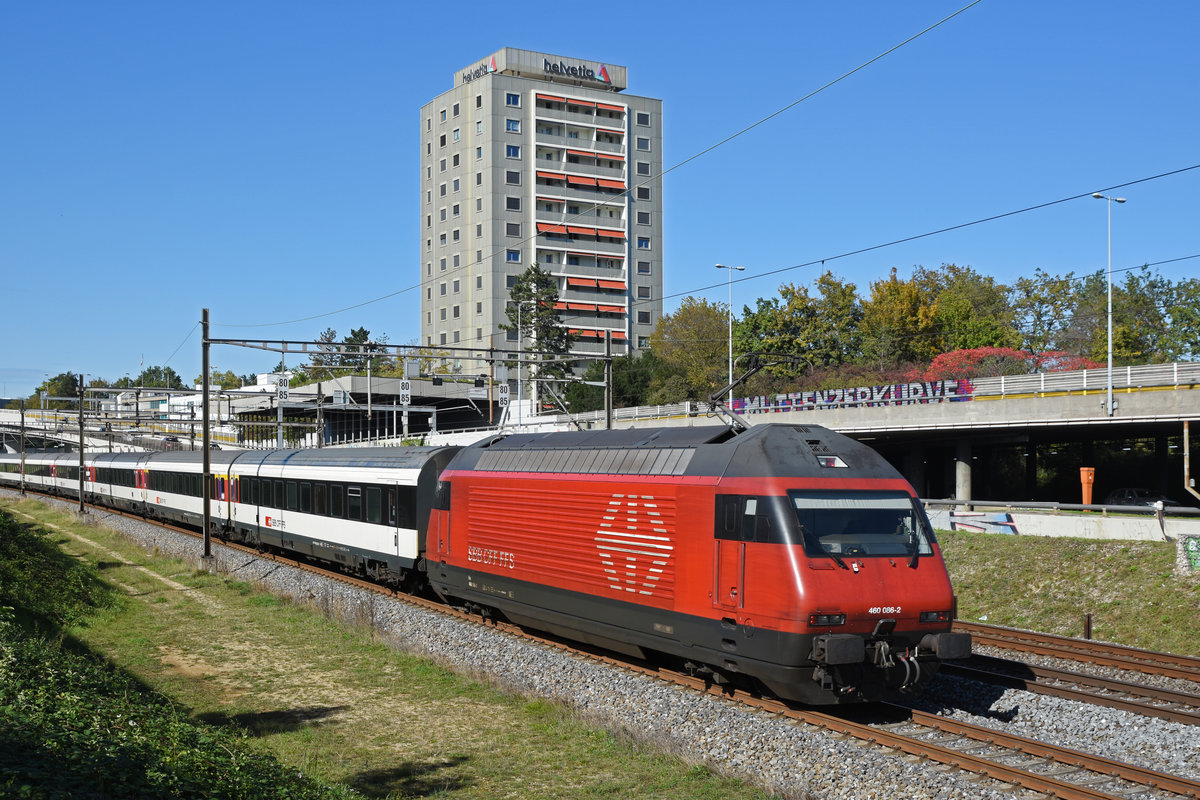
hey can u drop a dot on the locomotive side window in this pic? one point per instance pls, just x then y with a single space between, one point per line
862 523
748 518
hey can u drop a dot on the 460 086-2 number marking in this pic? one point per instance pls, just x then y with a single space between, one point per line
884 610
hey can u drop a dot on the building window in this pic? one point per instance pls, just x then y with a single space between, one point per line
442 165
442 339
442 140
512 100
643 143
456 262
456 286
455 133
478 152
479 231
479 101
442 289
512 203
442 190
456 109
510 281
643 317
512 256
428 148
455 314
429 220
456 236
454 209
456 337
454 160
479 308
643 168
479 126
643 218
442 214
643 243
643 292
429 123
572 261
479 179
643 342
479 334
456 184
643 193
443 115
512 125
512 176
643 118
443 265
512 151
643 268
442 312
442 240
512 229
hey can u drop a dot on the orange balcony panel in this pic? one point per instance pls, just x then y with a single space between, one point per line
613 131
578 231
553 98
611 184
610 233
580 180
554 176
611 107
610 309
581 306
587 282
612 285
577 102
546 227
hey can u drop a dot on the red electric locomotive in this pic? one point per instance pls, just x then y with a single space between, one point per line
787 555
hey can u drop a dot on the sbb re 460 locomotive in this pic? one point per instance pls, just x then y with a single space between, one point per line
789 556
786 557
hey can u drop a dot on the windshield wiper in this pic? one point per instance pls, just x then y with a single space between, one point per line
837 559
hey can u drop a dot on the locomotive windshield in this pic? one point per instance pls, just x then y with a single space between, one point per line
859 523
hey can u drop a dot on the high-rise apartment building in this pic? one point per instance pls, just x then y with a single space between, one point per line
537 157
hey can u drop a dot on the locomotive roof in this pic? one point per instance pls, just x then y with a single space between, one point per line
761 451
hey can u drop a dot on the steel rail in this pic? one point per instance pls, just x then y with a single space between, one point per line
1103 653
1166 704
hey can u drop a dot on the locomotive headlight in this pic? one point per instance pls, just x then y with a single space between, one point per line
936 616
826 620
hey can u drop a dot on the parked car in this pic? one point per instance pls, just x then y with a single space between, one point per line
172 439
1137 497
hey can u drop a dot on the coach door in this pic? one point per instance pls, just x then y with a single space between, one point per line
729 553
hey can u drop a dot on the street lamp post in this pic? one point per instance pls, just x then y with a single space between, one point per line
731 269
1109 405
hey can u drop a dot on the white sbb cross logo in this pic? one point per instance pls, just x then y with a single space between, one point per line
633 544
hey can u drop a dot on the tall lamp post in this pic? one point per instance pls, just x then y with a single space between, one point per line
1109 405
731 269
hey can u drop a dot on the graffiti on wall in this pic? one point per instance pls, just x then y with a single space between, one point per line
1191 549
983 521
893 394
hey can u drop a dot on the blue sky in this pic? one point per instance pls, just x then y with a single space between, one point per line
261 159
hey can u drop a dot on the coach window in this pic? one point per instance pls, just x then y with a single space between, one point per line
305 497
374 504
319 506
254 491
354 502
335 500
292 496
278 502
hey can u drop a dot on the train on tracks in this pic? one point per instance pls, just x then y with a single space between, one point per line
790 558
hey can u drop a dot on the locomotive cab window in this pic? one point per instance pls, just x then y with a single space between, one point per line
861 523
755 519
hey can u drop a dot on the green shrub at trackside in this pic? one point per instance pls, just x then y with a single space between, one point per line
72 726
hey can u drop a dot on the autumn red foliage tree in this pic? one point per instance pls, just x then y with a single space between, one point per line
983 362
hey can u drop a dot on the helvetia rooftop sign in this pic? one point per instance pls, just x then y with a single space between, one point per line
576 71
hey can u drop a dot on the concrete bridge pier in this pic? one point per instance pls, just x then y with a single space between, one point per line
962 470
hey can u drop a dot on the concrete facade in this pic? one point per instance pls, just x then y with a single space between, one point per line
534 157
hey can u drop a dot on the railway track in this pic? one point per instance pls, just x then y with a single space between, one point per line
1166 704
1034 766
1087 650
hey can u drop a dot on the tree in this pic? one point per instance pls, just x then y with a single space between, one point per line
159 377
632 376
1042 310
899 323
535 323
691 344
324 364
969 309
65 385
226 379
